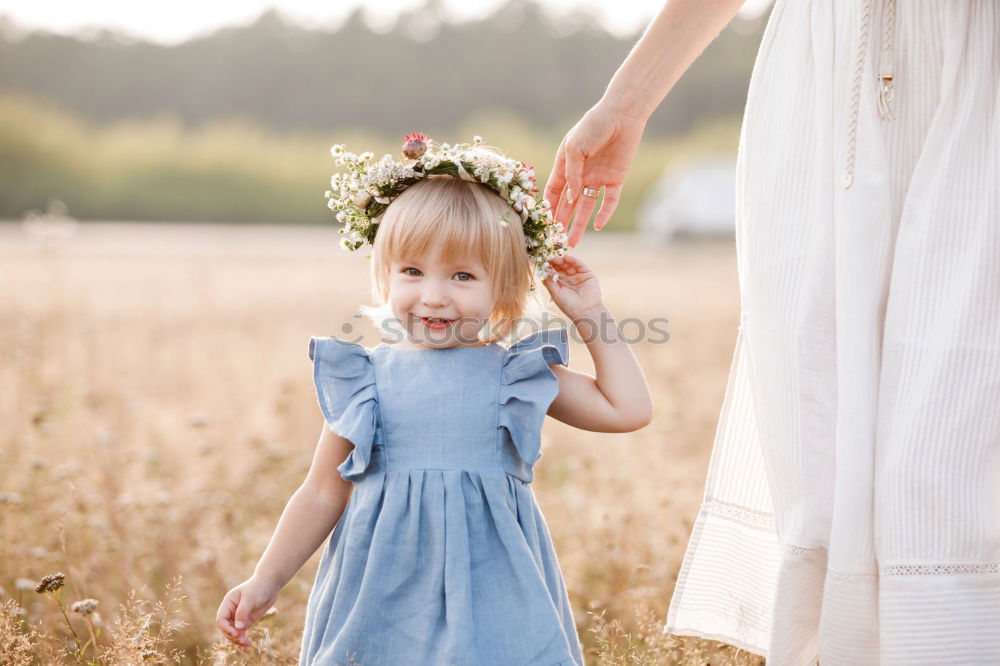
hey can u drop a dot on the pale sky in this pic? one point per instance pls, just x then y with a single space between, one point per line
175 21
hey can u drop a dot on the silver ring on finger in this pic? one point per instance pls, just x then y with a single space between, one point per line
590 192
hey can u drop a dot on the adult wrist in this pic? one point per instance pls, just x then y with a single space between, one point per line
629 103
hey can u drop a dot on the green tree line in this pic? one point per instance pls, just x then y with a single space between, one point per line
235 171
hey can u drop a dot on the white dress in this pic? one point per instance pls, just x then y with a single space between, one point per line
852 507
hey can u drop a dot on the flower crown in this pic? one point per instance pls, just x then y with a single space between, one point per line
362 194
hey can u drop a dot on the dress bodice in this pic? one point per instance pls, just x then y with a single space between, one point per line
465 408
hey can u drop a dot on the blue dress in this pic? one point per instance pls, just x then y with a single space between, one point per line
442 556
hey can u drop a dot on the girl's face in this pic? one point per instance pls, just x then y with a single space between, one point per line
422 289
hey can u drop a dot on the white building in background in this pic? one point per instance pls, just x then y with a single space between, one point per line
692 199
52 228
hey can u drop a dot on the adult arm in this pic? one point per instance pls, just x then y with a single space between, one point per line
598 150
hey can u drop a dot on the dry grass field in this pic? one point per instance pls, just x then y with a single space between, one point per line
158 411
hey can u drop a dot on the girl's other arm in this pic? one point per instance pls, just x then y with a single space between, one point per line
310 514
307 519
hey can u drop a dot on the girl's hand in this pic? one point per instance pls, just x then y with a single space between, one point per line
597 152
577 291
246 603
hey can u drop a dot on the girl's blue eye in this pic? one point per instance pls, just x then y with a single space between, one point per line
411 268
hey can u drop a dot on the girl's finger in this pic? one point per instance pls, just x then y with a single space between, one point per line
223 618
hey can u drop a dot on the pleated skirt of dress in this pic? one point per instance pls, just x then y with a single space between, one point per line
852 507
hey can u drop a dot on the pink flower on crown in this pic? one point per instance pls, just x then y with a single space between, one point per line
414 145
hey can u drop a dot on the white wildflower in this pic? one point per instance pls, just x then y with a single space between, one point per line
24 584
84 606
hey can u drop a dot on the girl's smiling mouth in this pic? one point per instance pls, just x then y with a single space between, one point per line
435 322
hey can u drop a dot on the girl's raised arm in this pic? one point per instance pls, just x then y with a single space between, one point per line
617 399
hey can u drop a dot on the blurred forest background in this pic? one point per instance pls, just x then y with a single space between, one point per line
235 126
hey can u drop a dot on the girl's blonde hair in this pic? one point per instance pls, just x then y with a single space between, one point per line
463 218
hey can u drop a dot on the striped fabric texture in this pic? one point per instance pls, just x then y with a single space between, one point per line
852 507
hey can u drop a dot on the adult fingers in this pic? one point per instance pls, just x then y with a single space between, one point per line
583 212
562 211
574 172
574 183
612 194
557 179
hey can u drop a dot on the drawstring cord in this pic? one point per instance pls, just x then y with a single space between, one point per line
885 78
885 61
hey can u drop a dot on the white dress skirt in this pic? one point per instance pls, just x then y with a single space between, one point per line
852 507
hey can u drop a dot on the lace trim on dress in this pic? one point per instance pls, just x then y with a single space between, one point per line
941 569
739 513
765 520
799 550
842 577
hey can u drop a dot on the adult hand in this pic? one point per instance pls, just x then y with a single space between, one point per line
597 152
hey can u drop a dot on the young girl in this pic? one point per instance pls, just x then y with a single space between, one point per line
442 555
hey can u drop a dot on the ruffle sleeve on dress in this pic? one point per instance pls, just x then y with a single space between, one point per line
528 386
344 375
